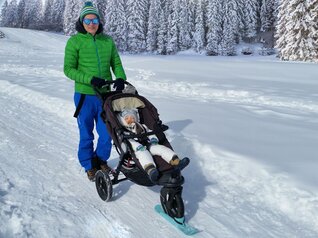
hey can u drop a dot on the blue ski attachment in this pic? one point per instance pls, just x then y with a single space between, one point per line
182 226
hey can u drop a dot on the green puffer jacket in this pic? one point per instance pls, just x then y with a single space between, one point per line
87 56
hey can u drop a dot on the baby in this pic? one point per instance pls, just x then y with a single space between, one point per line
129 119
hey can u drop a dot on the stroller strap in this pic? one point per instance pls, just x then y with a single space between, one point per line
79 106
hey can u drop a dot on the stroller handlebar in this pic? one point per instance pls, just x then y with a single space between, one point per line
102 95
110 82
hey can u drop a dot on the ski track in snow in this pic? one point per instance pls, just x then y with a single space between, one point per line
235 197
247 196
205 92
32 172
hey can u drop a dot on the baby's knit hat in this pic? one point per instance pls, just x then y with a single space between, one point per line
129 112
88 9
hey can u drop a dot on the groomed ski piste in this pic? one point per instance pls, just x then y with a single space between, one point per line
249 124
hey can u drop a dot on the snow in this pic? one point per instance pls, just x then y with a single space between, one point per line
248 123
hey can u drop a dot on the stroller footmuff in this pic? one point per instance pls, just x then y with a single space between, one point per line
170 177
134 172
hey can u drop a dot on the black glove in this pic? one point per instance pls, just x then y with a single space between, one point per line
98 82
119 84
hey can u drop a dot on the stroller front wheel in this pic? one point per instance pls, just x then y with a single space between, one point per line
104 185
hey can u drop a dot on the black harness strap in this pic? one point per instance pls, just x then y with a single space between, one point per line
79 106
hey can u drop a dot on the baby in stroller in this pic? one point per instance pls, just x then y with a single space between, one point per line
149 146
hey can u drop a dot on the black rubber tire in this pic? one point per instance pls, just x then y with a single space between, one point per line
104 185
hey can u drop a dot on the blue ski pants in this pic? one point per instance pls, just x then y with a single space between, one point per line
89 115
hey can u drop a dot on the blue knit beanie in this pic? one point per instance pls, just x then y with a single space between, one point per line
88 9
130 112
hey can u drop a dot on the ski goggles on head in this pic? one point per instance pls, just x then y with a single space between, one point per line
87 21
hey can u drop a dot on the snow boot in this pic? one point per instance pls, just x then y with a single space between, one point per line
152 172
91 174
179 164
104 166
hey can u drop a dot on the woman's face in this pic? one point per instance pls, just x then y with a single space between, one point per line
91 27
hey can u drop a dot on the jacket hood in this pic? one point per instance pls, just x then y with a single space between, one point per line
80 28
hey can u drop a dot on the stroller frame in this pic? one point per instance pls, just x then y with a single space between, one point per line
171 179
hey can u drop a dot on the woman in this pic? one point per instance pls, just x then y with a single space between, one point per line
89 58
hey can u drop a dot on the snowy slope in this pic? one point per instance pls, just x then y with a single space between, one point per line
249 125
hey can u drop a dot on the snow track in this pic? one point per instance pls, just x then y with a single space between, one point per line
254 200
228 192
213 92
39 171
37 190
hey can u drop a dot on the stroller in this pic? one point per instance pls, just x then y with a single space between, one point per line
128 166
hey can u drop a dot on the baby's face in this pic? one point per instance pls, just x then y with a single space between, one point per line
129 119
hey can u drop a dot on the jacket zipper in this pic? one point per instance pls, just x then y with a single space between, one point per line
98 59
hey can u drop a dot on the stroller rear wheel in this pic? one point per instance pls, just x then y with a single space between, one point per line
171 201
104 185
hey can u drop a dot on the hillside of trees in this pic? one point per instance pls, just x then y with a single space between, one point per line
211 27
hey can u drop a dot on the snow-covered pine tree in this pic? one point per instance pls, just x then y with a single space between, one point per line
198 42
299 40
137 11
4 12
111 17
191 18
214 26
313 30
58 15
185 33
282 19
229 30
116 22
48 22
11 15
250 19
173 7
33 14
267 15
101 6
122 23
153 25
268 18
296 28
21 14
162 30
241 22
71 15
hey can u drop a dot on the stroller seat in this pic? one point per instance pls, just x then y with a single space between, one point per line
149 116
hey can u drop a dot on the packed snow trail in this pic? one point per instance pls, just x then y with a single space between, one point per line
38 189
213 92
45 193
43 186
